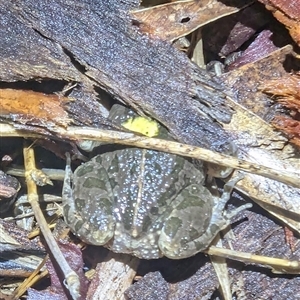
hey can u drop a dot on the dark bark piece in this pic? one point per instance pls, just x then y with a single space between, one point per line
151 286
246 82
25 53
262 286
148 74
201 285
86 110
248 22
21 236
193 277
9 186
262 236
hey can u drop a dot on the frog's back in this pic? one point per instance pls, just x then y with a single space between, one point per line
144 184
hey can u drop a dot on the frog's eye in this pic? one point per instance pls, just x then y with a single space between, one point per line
142 125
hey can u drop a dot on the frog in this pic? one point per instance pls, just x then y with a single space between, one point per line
145 203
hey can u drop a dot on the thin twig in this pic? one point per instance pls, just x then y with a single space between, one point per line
72 279
287 177
31 280
110 136
53 174
278 265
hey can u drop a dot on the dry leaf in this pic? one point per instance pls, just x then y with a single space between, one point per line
173 20
290 127
227 35
286 89
286 92
260 47
288 13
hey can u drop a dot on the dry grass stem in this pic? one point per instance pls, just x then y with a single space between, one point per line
110 136
71 277
277 265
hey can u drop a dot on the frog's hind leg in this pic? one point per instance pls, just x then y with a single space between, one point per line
188 221
196 220
220 203
221 218
91 231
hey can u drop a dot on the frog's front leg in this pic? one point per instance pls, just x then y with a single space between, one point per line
196 220
87 207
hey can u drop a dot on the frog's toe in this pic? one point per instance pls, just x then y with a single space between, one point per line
179 249
179 239
98 238
169 247
229 215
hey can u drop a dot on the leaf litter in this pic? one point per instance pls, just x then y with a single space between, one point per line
251 130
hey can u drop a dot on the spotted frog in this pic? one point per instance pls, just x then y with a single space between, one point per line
143 202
